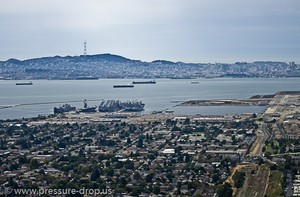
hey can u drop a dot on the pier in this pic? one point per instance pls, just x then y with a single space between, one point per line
45 103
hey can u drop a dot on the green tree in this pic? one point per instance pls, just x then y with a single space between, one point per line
140 142
95 174
22 159
34 164
187 121
110 171
149 177
136 176
239 178
225 190
156 189
128 140
129 164
215 178
23 143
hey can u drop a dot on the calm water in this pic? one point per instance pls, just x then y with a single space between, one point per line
156 97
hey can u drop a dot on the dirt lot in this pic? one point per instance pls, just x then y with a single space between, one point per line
255 182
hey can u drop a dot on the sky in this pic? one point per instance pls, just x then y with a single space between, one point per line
198 31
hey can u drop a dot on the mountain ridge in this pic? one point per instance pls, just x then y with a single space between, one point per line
120 57
115 66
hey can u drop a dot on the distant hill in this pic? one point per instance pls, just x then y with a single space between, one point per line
115 66
163 62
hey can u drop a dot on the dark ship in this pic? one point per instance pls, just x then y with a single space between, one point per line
123 86
87 78
144 82
116 105
133 106
86 108
24 83
65 108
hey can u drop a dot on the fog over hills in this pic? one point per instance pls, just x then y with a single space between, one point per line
115 66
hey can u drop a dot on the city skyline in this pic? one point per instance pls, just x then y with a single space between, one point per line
189 31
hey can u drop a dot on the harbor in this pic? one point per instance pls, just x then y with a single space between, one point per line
44 95
105 106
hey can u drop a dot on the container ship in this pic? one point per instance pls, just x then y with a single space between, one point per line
117 105
110 106
144 82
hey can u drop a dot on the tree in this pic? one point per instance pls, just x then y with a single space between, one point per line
140 142
187 121
151 156
147 137
129 164
149 177
136 176
225 190
122 170
128 140
288 163
239 178
110 171
22 159
33 164
178 149
24 143
268 155
11 183
215 178
156 189
95 174
179 188
175 128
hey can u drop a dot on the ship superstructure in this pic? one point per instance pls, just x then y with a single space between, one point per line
65 108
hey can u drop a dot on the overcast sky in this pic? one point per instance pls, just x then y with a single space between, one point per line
176 30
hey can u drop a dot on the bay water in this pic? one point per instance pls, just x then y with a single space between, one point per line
31 101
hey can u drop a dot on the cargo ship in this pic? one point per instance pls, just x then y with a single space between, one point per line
116 105
110 106
123 86
86 108
133 106
65 108
24 83
144 82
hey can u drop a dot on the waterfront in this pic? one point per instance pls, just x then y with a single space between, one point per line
159 96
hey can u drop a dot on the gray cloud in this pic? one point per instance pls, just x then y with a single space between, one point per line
187 30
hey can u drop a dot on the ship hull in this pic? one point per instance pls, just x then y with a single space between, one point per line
24 84
123 86
144 82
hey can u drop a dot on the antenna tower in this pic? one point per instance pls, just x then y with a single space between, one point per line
84 47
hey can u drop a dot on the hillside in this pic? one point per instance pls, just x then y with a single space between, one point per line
115 66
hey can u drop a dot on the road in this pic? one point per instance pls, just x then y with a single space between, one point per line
262 135
289 182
